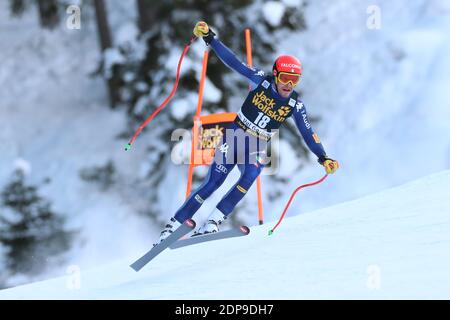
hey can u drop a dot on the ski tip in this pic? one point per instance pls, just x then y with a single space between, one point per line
190 223
244 229
128 147
134 268
270 232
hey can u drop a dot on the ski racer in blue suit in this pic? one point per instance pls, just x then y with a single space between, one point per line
271 101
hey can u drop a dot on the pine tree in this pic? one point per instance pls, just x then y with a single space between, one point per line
29 229
105 40
49 11
17 7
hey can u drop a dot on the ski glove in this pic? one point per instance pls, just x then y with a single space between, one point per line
330 165
202 30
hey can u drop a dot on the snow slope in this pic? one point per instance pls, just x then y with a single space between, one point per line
390 245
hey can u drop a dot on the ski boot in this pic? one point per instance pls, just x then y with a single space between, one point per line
212 224
170 227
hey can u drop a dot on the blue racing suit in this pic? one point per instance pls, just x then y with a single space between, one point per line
259 117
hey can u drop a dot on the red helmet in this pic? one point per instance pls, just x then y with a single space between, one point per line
286 63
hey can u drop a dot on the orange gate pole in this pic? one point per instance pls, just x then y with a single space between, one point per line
258 180
196 122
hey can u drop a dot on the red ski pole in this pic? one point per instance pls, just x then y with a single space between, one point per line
292 197
174 89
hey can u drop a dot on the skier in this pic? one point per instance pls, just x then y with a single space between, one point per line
271 101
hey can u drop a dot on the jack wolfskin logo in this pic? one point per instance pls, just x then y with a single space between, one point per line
263 102
199 199
283 111
266 105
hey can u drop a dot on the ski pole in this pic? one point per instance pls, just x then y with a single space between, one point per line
174 89
292 197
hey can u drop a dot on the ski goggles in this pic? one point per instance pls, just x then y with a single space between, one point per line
285 78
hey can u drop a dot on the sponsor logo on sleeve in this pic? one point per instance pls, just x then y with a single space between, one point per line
316 138
251 68
305 120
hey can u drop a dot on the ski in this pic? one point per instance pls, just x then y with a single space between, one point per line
232 233
182 230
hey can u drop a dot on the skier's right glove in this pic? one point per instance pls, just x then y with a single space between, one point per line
202 30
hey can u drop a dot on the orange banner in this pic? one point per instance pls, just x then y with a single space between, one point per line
207 134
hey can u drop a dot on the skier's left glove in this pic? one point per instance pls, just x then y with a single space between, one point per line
202 30
329 164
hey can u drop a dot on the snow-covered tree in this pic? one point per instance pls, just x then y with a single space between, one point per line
30 231
103 176
49 11
17 7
